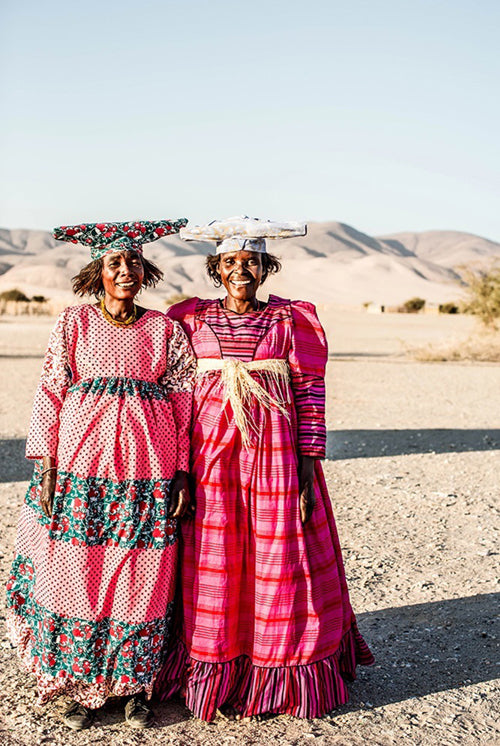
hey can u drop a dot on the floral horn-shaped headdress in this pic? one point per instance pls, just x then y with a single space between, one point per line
107 238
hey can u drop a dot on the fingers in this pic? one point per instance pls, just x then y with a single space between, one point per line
47 503
307 503
182 504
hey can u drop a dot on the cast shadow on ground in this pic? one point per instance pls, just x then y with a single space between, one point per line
22 356
419 650
346 444
428 648
342 356
14 467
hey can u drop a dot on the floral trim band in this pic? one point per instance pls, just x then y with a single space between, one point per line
122 387
89 651
91 511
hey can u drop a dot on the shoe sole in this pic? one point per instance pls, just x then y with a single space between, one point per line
138 726
77 726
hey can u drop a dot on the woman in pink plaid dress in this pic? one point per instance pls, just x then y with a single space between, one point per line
267 623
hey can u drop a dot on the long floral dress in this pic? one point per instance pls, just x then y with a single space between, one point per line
91 591
267 622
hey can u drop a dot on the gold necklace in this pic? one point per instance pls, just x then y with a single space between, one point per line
117 322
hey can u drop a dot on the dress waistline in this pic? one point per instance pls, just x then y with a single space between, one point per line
239 387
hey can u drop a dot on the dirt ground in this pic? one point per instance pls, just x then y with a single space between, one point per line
413 469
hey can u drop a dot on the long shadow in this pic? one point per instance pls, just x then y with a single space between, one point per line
344 444
428 648
14 467
341 356
22 356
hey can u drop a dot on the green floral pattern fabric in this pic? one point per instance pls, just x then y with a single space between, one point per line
91 511
121 386
92 652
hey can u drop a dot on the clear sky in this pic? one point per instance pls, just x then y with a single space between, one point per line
384 114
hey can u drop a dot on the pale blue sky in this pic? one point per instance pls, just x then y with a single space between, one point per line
383 114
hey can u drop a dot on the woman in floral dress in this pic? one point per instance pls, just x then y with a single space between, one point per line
267 622
91 591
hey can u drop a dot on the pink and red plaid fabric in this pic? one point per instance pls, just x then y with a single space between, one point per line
267 623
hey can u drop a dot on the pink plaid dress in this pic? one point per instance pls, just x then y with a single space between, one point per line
267 623
90 596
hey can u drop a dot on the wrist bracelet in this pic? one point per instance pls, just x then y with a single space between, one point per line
51 468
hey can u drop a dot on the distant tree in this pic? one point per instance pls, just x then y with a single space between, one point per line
413 305
448 308
39 298
483 293
13 294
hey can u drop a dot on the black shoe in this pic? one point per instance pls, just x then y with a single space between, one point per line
138 714
77 716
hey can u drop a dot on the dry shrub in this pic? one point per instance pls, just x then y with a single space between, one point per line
413 305
484 347
483 292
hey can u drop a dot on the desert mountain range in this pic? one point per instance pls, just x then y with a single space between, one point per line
334 263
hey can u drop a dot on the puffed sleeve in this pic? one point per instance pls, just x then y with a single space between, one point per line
184 313
307 359
43 435
179 381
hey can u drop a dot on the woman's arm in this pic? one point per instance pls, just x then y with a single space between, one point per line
49 478
179 382
307 360
43 435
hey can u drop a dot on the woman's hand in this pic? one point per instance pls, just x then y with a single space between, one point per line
180 496
49 478
306 487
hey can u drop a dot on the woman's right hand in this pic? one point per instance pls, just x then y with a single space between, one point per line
49 479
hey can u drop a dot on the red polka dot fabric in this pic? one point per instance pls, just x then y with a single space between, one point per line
91 590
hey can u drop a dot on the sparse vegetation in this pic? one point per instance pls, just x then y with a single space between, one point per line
483 293
13 294
413 305
483 348
39 299
448 308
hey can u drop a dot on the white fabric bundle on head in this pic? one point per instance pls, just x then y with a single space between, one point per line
242 233
237 243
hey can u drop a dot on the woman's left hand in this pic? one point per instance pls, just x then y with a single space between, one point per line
179 496
306 487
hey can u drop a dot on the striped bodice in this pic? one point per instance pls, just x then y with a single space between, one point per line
238 334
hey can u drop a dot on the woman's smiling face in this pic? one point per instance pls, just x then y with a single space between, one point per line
241 273
122 274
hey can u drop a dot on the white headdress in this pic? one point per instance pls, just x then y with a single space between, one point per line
233 234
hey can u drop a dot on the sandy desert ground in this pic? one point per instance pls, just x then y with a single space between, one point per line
413 469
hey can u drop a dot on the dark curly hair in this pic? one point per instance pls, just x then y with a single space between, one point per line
88 281
270 265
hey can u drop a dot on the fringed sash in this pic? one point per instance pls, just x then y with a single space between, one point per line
240 387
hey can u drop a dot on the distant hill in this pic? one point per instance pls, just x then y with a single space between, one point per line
334 263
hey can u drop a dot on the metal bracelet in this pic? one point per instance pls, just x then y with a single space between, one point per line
51 468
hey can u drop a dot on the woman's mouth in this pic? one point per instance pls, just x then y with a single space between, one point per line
125 285
240 283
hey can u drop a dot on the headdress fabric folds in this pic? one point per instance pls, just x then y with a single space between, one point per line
233 234
108 238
